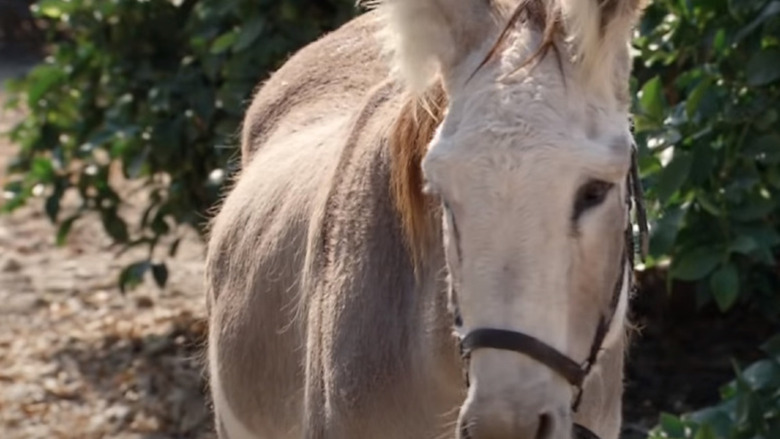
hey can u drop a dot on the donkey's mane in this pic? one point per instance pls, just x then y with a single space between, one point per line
414 127
412 131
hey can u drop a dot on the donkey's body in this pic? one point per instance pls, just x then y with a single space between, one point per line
321 327
310 282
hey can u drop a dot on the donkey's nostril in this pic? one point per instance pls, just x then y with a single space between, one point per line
545 429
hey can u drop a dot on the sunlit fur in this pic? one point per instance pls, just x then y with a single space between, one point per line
329 269
422 36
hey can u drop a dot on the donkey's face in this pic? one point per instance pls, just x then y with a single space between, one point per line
531 171
534 214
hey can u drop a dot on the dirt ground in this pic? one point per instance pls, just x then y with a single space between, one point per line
80 360
77 358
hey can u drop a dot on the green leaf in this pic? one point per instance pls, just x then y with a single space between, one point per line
249 33
771 9
160 274
132 275
224 42
695 264
52 206
765 148
763 374
158 225
672 177
50 9
763 67
692 103
114 226
672 425
652 100
203 102
64 229
719 42
174 248
743 244
755 208
724 284
42 79
708 204
42 169
716 418
772 347
136 165
763 235
664 233
705 432
766 120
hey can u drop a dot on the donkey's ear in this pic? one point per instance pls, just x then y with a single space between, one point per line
596 22
601 31
428 37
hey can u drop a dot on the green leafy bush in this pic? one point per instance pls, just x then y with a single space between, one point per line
708 124
156 90
750 406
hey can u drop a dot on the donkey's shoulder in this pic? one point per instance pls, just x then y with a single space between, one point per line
325 78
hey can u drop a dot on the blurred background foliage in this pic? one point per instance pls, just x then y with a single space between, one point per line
707 75
750 406
707 120
156 90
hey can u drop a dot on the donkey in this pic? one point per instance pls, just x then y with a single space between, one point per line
431 232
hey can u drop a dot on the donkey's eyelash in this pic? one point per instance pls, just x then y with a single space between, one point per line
590 195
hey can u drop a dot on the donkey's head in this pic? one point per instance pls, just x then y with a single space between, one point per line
531 165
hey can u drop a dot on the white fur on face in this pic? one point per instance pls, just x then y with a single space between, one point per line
507 163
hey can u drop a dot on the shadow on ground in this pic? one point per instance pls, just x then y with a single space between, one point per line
153 384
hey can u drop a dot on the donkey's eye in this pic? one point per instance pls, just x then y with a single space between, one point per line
590 195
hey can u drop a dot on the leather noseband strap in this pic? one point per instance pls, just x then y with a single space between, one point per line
581 432
525 344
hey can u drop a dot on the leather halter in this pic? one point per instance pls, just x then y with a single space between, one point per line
575 373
